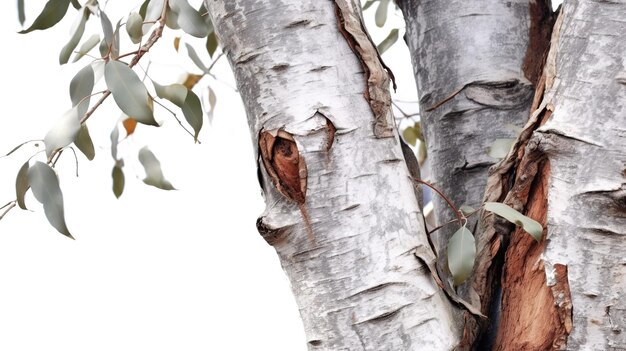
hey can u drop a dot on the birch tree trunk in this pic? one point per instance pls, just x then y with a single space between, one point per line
475 65
568 291
341 209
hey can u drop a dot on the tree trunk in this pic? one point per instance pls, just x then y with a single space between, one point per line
568 291
341 208
475 64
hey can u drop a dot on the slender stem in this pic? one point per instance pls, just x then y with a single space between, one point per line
177 119
406 115
9 206
460 216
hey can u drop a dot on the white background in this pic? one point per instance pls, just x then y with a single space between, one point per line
154 270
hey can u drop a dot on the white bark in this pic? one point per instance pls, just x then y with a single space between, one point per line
348 247
585 143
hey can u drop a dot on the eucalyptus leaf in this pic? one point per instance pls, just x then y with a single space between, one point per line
193 55
129 92
461 255
409 135
115 138
532 227
391 38
189 20
192 110
63 133
81 87
152 166
466 210
45 185
52 13
67 50
21 15
144 8
154 8
84 143
211 43
212 102
118 181
76 4
381 13
134 25
368 4
171 19
87 45
500 148
107 31
176 93
21 185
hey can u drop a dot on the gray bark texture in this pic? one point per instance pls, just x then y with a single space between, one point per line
584 142
341 208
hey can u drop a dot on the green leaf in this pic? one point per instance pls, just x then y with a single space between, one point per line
466 210
144 8
192 110
171 19
21 15
153 13
211 43
45 185
129 92
368 4
134 25
63 133
193 55
84 143
381 13
67 50
21 185
76 4
87 46
212 103
500 148
107 47
410 135
189 20
461 255
118 181
176 93
115 137
388 41
532 227
152 166
81 87
52 13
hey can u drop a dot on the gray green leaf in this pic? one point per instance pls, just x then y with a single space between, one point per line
129 92
21 185
500 148
410 135
63 133
67 50
211 43
381 13
115 137
144 8
152 167
21 15
87 46
176 93
192 110
461 255
532 227
134 25
52 13
368 4
388 41
45 185
118 181
84 143
212 103
193 55
189 20
76 4
81 87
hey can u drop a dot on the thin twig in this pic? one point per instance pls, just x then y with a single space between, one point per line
10 207
460 216
406 115
177 119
